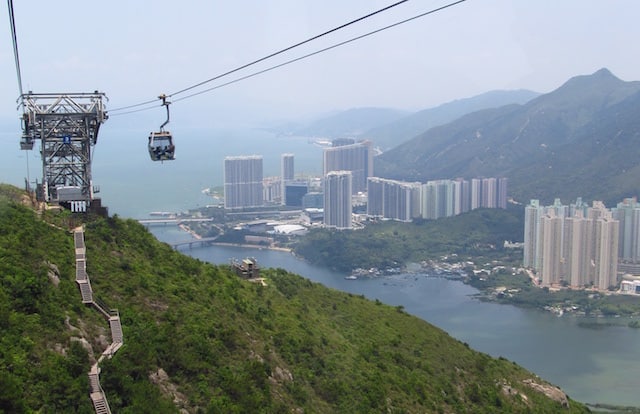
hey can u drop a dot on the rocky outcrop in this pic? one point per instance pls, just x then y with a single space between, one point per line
550 391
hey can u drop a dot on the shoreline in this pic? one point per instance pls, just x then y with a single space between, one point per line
488 293
189 230
195 235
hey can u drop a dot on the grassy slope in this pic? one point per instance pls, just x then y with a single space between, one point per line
32 317
227 345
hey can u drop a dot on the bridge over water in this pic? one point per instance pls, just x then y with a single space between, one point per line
193 243
165 221
203 241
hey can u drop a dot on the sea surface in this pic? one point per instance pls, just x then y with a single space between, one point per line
591 365
132 185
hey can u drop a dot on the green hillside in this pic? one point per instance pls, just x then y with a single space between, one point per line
395 133
579 140
199 339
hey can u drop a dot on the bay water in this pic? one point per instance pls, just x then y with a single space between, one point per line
132 185
590 365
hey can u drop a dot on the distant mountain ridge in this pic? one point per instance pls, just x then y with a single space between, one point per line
393 134
578 140
351 123
388 127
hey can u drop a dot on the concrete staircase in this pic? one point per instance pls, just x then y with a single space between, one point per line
99 400
85 291
116 329
100 403
81 270
98 397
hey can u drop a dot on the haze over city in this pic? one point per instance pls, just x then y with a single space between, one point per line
134 52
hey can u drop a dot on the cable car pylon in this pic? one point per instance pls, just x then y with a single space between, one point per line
161 147
67 125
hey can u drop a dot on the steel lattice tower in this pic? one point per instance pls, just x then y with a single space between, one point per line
67 126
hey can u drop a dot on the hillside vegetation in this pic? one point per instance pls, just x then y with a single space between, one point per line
389 244
199 339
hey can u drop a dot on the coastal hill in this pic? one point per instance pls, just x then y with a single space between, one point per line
388 128
350 123
197 338
578 140
395 133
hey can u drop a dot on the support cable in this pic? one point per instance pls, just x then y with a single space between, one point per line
432 11
335 29
14 38
317 51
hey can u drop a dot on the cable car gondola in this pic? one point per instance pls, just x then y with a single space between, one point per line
161 147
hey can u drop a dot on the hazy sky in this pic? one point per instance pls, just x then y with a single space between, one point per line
134 50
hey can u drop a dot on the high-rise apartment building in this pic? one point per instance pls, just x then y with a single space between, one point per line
287 167
356 157
628 214
572 244
337 199
243 182
456 208
578 207
445 198
286 174
375 196
503 183
396 200
606 251
433 199
438 199
294 191
476 193
465 195
272 190
577 242
532 215
551 227
489 193
428 204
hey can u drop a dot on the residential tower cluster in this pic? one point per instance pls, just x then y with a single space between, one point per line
575 245
405 201
348 182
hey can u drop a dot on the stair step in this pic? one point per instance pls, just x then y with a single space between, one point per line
78 238
111 350
94 383
116 329
94 379
85 291
81 270
100 403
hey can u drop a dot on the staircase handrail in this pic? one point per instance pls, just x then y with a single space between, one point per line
106 309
